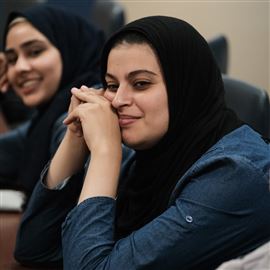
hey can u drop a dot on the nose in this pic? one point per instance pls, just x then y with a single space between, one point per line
122 97
22 64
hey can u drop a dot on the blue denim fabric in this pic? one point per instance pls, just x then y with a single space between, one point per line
222 212
219 210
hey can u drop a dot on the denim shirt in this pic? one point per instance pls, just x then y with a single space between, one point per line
218 210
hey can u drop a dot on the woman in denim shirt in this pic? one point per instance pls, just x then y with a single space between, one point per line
193 191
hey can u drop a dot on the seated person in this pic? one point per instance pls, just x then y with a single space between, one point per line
47 52
192 191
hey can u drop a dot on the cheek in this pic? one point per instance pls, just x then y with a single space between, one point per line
52 71
109 95
160 113
51 68
159 120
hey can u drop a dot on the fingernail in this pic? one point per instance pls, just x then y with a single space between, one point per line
74 89
84 87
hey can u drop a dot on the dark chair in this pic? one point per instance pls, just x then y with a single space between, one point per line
250 103
220 48
108 15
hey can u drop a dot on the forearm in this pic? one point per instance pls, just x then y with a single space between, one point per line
39 235
102 174
68 160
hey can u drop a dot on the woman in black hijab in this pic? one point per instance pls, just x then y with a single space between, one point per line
192 194
25 151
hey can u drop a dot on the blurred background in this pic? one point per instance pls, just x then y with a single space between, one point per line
244 24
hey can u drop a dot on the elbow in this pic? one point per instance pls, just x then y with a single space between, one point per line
28 257
21 254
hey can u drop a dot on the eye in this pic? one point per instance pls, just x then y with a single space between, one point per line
141 85
11 59
34 52
112 87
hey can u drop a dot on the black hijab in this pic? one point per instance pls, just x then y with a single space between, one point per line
198 117
79 44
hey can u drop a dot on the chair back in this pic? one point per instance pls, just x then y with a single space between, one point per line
220 49
108 15
249 102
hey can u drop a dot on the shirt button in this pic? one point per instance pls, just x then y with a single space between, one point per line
189 219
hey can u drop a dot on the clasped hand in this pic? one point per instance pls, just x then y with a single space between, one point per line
4 84
92 117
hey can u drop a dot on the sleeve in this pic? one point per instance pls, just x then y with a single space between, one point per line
59 130
213 219
38 240
11 148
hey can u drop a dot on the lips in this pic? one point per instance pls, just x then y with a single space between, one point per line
29 85
126 120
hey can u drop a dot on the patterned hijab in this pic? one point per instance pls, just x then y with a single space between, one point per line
79 44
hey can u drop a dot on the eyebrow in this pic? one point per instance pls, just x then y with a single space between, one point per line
25 45
133 73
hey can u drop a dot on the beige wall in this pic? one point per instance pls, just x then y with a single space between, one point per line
245 23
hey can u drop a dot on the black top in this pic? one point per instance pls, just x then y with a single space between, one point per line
79 44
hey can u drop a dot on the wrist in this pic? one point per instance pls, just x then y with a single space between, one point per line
102 174
113 150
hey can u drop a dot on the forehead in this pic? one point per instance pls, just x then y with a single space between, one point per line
127 57
23 32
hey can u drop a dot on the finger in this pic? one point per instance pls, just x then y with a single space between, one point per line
78 126
68 120
4 88
3 64
74 100
2 70
96 91
4 85
72 117
76 130
87 96
75 127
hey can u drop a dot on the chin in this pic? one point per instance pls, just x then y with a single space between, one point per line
135 140
136 145
31 102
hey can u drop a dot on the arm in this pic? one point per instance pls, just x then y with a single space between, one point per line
210 221
12 142
11 148
47 208
39 235
38 241
3 88
103 139
4 84
71 154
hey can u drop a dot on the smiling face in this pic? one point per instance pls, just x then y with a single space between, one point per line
136 89
34 64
